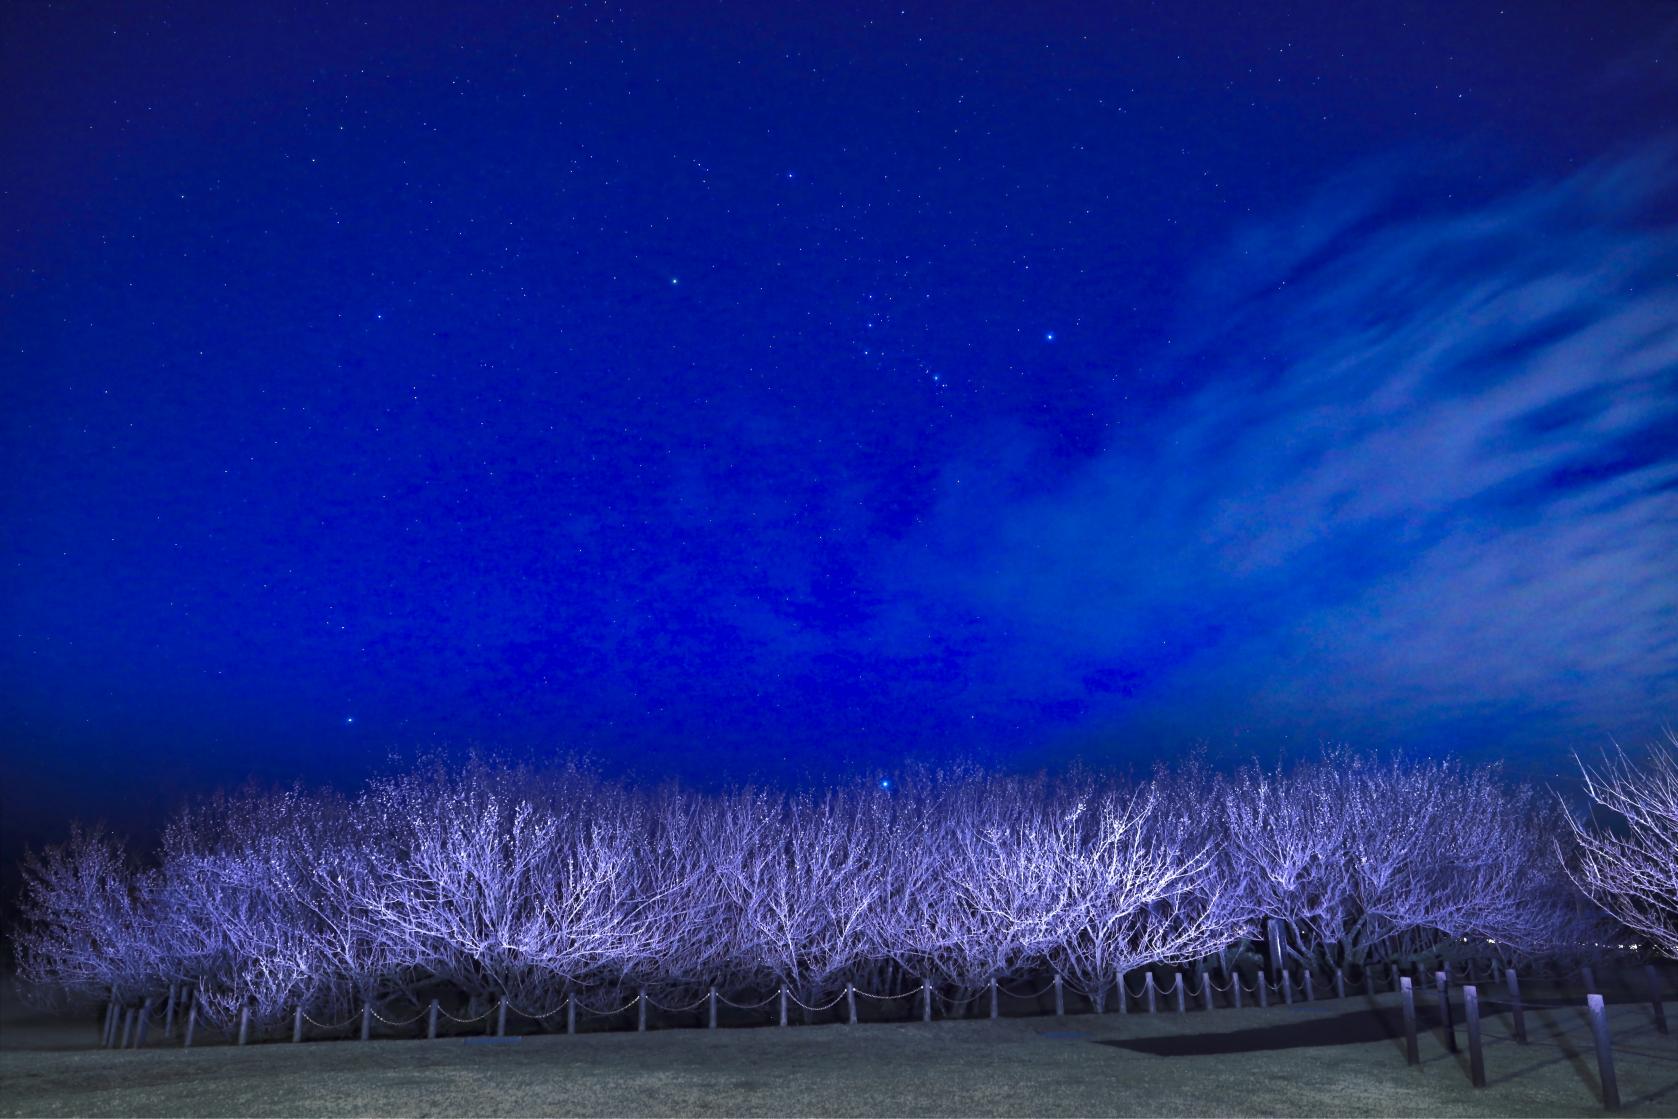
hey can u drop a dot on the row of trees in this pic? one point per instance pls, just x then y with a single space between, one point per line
506 882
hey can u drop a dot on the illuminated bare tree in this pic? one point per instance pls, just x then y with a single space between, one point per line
1628 864
1140 888
86 926
1360 858
495 883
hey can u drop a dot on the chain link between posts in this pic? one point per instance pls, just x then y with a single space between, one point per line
889 998
1033 995
587 1009
466 1021
805 1006
748 1006
535 1017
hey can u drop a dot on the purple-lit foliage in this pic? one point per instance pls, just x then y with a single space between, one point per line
1360 858
1628 863
492 883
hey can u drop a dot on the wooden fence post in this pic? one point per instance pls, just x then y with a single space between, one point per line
140 1029
1412 1054
993 1006
1604 1052
850 1002
366 1020
109 1036
1148 986
641 1008
169 1015
1060 996
501 1017
1310 992
1206 990
926 1000
1442 981
1263 990
244 1024
1517 1012
711 1021
431 1021
1285 978
1471 1018
127 1028
1124 996
191 1024
1276 945
1235 987
297 1024
1654 978
783 1004
1339 982
1369 980
571 1012
1181 992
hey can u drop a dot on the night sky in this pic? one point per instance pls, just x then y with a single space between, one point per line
783 389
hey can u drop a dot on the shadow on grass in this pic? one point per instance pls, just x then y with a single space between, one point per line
1357 1028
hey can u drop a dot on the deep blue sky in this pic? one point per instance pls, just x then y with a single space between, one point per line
731 388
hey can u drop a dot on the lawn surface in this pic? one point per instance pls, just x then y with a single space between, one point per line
1338 1059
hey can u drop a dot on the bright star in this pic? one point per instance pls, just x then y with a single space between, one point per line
1049 336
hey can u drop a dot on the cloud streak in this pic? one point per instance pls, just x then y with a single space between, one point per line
1426 482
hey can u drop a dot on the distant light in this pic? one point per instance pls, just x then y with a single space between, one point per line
1048 336
349 720
674 281
885 783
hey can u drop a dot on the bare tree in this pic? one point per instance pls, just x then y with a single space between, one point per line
1360 858
87 916
494 883
1628 864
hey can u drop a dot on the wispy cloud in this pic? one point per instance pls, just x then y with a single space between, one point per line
1426 478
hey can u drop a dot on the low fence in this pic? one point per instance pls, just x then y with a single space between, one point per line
129 1026
1475 1003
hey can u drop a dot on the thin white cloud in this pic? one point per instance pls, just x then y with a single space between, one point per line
1430 475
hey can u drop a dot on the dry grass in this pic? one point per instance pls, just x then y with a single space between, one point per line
945 1068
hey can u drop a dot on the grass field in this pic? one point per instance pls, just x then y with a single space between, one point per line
1338 1059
